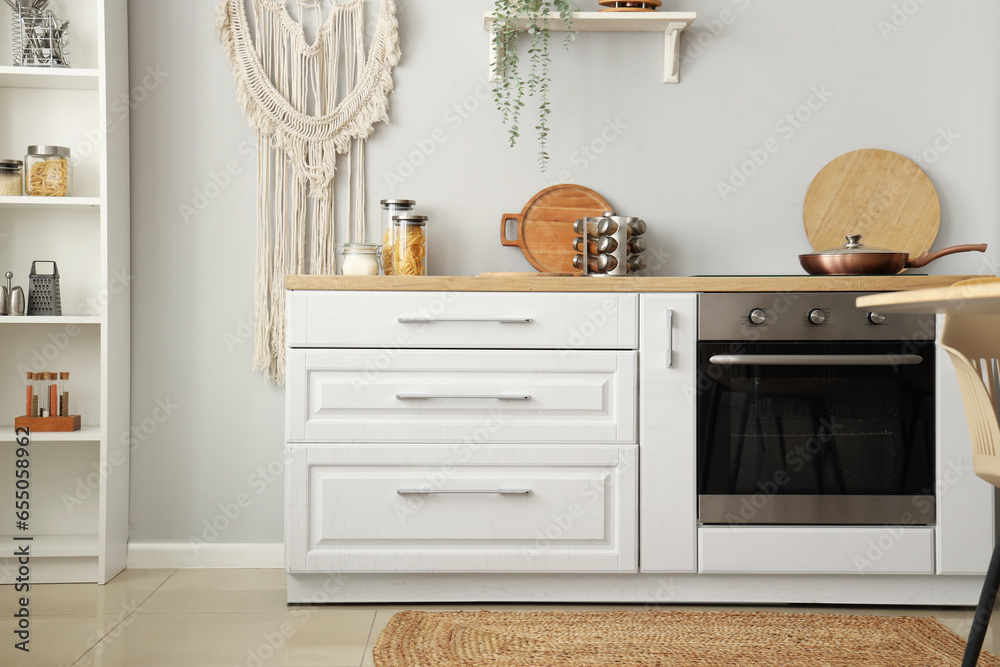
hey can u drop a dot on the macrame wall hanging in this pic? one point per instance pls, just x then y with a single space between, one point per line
309 104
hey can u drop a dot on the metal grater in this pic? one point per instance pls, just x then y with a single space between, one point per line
43 292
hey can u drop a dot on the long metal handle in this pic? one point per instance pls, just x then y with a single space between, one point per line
816 359
485 397
435 320
670 338
429 492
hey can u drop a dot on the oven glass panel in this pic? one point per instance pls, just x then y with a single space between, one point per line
818 428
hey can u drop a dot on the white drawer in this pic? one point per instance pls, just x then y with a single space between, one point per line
458 395
464 508
816 550
462 319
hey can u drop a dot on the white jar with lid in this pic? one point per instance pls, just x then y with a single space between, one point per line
360 259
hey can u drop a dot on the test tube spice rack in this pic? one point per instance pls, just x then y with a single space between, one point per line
47 404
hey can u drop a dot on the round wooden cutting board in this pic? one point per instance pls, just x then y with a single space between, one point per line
878 193
545 227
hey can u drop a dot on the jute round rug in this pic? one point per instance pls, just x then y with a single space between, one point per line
664 638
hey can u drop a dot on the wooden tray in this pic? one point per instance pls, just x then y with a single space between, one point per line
545 226
48 424
649 5
878 193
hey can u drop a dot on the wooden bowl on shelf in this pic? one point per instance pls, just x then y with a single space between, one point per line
630 5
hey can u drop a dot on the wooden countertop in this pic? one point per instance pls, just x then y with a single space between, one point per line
973 297
533 283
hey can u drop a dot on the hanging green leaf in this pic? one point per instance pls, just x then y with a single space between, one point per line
509 88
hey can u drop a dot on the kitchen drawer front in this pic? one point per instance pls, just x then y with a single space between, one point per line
816 550
462 320
456 395
389 508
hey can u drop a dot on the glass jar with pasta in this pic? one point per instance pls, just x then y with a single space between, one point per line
390 208
48 172
409 250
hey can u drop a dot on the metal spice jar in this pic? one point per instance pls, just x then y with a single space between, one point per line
48 172
11 178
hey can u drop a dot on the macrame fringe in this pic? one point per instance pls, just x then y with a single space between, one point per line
279 77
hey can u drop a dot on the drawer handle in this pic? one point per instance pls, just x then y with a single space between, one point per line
496 492
433 320
485 397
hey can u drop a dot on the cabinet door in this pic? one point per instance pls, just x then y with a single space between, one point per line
965 508
667 440
463 508
460 395
462 320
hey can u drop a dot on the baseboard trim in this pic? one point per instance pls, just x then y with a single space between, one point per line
148 555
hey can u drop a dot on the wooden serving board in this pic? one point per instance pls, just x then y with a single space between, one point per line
877 193
545 226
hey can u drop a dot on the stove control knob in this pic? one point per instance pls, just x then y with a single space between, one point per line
876 318
817 316
757 317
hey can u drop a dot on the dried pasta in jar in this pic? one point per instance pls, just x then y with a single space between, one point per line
48 172
410 245
390 209
387 253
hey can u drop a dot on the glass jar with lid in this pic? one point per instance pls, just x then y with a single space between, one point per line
48 172
360 259
409 251
11 178
391 207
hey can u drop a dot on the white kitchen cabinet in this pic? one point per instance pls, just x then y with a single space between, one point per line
542 447
462 508
668 369
965 507
80 487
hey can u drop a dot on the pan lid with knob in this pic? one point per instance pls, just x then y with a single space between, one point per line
854 246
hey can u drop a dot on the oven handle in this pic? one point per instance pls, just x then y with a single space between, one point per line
816 359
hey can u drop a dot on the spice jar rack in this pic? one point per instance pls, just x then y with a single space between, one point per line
47 393
609 246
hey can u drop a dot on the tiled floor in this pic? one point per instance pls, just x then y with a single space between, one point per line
147 618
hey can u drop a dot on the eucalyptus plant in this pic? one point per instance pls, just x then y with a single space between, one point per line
511 87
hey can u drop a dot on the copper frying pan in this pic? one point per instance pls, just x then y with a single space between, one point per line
856 259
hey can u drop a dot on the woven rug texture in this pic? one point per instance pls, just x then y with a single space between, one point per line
665 638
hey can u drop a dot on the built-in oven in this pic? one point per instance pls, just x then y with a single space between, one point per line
813 412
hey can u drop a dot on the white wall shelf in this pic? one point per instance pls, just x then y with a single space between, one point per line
57 78
671 24
61 203
85 434
12 320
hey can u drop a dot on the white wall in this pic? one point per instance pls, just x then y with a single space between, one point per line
192 295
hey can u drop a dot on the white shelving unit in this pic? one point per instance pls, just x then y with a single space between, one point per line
80 480
671 24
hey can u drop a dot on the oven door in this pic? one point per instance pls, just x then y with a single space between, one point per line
816 433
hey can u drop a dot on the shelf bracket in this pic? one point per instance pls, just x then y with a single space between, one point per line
672 52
